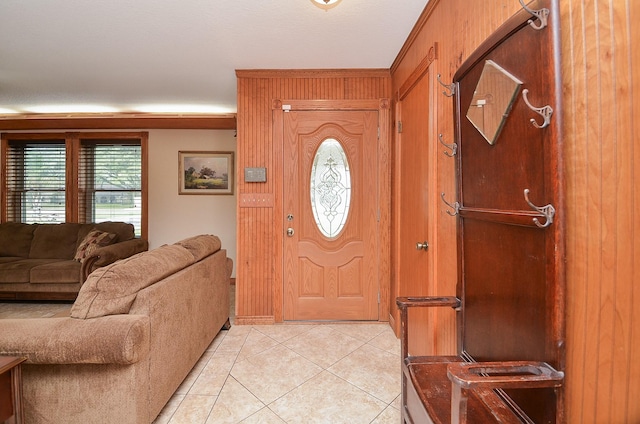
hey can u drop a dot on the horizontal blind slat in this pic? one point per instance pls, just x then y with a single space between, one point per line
36 181
110 182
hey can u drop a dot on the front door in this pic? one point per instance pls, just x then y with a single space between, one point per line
331 215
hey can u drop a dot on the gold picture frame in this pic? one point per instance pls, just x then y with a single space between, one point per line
203 172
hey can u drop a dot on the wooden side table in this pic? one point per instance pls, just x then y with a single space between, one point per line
11 390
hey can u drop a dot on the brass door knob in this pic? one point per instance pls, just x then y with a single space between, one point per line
290 232
422 246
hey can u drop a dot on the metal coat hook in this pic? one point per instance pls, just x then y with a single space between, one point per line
453 147
455 206
451 87
548 211
544 111
541 14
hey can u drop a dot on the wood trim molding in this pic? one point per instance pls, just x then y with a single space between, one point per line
419 72
254 320
117 121
312 73
413 35
373 104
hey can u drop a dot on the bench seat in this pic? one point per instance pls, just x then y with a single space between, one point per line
428 375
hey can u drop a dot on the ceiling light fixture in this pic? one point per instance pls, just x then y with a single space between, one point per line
326 4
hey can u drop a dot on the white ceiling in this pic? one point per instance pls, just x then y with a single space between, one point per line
138 55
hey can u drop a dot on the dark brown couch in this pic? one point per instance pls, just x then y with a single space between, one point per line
37 260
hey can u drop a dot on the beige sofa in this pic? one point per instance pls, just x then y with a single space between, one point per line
136 329
38 261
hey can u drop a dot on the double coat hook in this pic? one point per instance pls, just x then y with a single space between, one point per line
450 87
453 147
541 14
544 111
455 206
548 211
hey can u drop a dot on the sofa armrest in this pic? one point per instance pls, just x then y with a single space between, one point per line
109 254
114 339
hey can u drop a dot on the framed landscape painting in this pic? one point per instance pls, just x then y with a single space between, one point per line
205 172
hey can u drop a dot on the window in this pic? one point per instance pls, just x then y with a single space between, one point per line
75 177
35 182
330 187
109 181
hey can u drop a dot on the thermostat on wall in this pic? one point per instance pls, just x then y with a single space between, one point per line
255 175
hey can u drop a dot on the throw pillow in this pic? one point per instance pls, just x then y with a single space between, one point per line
91 242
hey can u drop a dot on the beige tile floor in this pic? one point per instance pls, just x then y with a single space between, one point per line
293 373
290 373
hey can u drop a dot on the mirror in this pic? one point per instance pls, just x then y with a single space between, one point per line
492 100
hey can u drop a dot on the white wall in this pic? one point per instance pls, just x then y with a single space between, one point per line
173 217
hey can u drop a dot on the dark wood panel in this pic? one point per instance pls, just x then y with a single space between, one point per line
505 283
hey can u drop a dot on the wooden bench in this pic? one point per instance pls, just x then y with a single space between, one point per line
452 389
509 298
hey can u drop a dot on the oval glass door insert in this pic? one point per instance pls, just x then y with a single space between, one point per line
330 186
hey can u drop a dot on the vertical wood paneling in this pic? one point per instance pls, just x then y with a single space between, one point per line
260 228
633 49
601 69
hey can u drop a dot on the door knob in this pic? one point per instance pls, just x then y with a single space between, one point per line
422 246
290 232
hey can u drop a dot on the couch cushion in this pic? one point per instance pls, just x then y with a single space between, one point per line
7 259
15 239
54 241
91 242
19 271
201 246
112 289
59 271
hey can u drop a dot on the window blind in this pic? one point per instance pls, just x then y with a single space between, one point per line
110 182
35 181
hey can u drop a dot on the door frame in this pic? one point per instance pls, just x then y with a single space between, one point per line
278 108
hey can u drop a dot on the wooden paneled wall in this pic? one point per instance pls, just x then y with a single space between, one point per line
259 244
600 70
454 28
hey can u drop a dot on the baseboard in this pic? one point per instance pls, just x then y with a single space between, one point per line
254 320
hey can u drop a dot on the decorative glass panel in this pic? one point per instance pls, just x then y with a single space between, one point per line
330 188
492 100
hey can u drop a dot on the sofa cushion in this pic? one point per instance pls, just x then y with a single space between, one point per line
201 246
112 289
19 271
7 259
91 242
54 241
16 239
55 272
